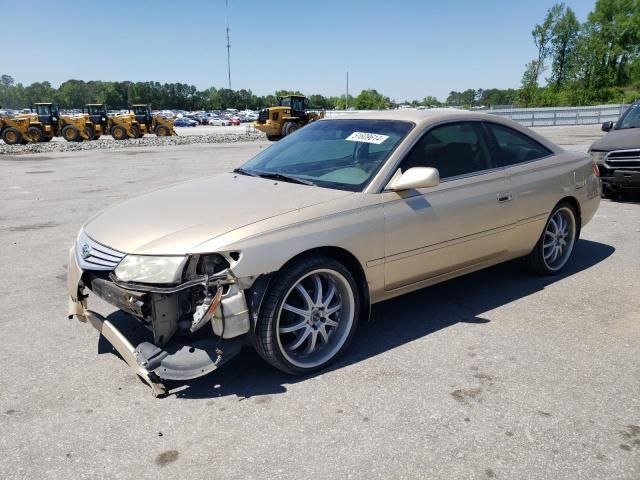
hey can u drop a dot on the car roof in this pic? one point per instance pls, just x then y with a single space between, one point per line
415 116
424 118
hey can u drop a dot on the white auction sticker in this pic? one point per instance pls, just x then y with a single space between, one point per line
367 137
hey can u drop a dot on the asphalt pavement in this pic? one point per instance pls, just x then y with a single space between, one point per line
499 374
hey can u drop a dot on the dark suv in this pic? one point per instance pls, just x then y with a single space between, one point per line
617 154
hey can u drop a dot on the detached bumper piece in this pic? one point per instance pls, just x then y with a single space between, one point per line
173 361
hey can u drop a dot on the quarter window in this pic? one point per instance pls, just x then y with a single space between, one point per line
511 147
454 149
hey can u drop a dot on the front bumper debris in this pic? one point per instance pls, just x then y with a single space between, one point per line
152 357
173 362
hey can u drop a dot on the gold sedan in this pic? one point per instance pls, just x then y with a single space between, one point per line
288 252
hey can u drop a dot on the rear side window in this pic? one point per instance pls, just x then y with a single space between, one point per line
510 147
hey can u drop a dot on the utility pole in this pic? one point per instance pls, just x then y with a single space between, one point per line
228 45
346 98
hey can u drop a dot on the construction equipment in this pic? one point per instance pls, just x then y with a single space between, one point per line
120 126
15 131
146 122
284 119
135 124
98 119
46 123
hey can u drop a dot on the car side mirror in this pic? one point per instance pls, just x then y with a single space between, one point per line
414 178
606 126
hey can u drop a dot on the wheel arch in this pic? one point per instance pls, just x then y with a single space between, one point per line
339 254
573 201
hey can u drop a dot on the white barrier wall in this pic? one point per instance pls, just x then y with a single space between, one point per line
543 117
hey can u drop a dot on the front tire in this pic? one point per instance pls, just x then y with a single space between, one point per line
71 133
554 248
309 315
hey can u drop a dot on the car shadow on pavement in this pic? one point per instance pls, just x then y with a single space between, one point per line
397 322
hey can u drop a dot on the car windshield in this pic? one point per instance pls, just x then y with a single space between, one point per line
341 154
631 118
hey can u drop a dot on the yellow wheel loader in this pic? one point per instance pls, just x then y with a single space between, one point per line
46 122
98 119
149 123
15 131
120 126
139 122
289 115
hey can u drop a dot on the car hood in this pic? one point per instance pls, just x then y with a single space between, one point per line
175 220
623 139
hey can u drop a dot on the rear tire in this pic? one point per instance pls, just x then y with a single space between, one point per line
71 133
37 134
273 138
555 246
288 128
12 136
118 132
309 315
136 131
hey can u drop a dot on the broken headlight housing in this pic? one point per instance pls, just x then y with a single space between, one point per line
211 264
151 269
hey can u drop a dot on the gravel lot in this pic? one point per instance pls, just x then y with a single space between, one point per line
185 136
495 375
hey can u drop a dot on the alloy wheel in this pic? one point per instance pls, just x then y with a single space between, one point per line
315 318
559 238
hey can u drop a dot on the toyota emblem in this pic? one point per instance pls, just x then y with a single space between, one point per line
86 251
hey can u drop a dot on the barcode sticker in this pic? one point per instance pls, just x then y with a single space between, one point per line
367 137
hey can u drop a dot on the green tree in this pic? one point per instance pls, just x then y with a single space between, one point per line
39 92
6 81
564 41
371 99
529 85
430 101
543 35
615 26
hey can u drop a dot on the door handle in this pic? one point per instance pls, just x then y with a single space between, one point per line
504 197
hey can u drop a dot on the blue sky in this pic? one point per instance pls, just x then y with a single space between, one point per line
405 49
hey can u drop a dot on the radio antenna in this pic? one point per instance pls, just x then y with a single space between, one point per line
228 45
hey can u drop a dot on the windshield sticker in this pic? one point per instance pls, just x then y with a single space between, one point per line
367 137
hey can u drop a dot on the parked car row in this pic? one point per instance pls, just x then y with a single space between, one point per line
218 118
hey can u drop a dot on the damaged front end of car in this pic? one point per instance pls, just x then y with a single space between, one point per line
194 309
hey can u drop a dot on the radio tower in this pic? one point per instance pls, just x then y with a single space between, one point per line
228 45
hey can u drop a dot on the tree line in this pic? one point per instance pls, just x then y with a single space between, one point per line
181 96
597 61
